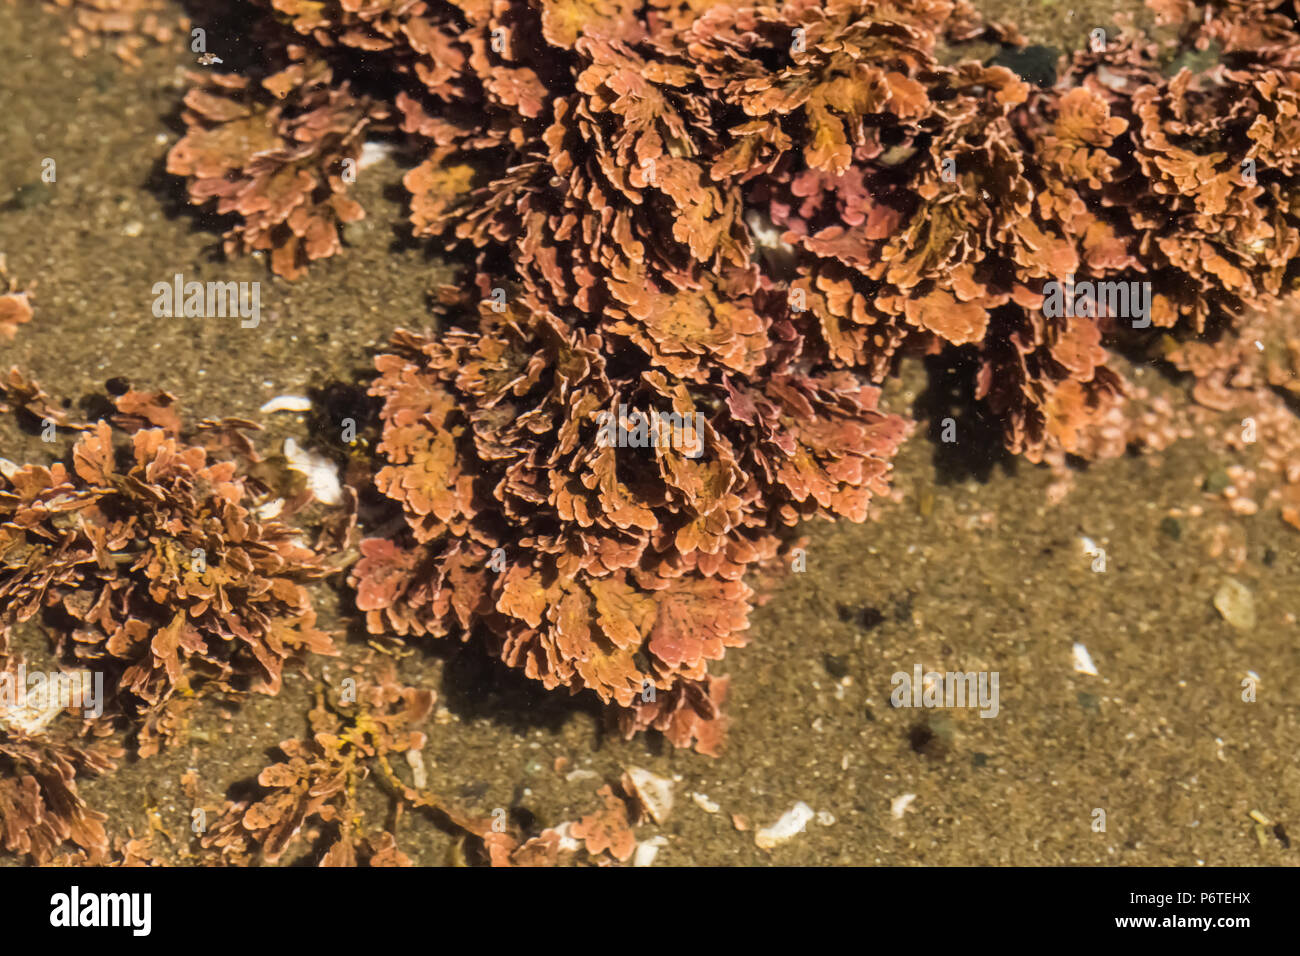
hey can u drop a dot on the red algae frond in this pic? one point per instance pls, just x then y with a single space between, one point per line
611 565
145 558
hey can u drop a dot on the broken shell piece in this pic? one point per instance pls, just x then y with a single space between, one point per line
270 509
898 806
286 403
647 850
897 155
704 803
766 234
1083 660
322 476
1110 79
8 468
419 773
372 152
655 793
33 714
790 825
568 843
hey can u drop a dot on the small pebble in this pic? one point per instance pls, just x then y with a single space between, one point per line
837 667
1236 603
1216 481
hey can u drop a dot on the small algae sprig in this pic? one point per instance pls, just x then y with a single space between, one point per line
280 154
310 799
314 781
356 729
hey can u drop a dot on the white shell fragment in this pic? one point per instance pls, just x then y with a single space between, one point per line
8 468
704 803
286 403
419 772
33 714
654 792
790 825
568 843
374 151
1110 79
765 232
270 509
1083 660
647 850
322 477
898 806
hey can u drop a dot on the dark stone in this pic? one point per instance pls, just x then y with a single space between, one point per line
865 617
1216 481
1034 64
835 666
